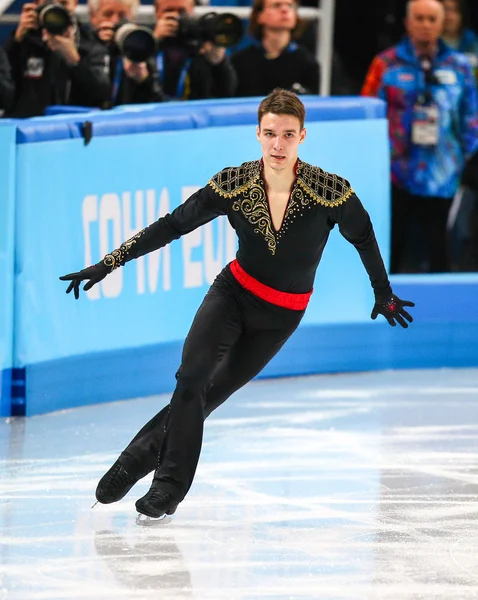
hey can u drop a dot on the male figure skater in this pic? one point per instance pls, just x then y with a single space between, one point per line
283 210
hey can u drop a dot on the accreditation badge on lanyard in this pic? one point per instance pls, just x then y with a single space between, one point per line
425 125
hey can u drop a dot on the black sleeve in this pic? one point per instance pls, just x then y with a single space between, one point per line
16 53
224 79
355 225
211 81
90 77
7 88
148 91
200 208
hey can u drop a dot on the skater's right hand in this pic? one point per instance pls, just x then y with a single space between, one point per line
93 274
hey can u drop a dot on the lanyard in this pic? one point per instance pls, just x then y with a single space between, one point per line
182 76
117 79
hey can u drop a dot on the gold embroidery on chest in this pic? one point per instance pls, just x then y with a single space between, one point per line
313 186
253 205
297 203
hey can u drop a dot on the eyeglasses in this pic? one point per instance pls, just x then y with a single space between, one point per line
279 5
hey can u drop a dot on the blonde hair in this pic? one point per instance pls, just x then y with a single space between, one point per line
94 5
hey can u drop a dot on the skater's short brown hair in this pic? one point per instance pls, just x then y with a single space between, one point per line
282 102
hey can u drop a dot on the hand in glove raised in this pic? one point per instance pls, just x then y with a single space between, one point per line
93 275
393 311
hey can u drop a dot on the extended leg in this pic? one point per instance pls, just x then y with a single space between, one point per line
179 458
216 326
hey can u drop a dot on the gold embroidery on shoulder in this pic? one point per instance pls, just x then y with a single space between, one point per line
325 188
231 182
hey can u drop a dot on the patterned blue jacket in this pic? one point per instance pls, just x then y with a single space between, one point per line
396 76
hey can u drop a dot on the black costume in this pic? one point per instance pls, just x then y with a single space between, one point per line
243 320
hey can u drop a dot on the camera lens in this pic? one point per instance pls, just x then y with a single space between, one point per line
223 30
135 42
54 18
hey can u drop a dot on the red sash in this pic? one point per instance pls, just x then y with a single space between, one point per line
284 299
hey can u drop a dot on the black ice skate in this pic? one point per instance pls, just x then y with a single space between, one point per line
156 503
115 484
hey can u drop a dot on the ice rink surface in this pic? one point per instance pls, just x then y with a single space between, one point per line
358 486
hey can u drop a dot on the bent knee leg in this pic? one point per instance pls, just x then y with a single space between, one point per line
190 390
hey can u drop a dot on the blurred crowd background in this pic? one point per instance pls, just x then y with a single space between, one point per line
420 57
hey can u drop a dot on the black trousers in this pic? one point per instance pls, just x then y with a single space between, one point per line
233 336
419 232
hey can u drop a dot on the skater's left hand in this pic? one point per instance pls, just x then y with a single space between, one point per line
393 311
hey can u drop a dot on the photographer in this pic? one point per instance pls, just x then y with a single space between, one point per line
54 60
131 81
189 68
7 88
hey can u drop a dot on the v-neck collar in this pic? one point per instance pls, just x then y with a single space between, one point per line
287 206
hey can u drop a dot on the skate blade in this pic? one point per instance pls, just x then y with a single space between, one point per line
145 521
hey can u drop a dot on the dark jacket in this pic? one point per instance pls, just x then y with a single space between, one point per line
150 90
295 69
42 78
124 90
7 87
186 75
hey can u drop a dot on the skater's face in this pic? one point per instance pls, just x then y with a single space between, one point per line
280 136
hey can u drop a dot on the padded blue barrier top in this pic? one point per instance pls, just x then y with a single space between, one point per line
173 116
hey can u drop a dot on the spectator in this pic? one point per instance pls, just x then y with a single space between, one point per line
130 82
7 87
433 125
457 35
54 69
189 69
276 60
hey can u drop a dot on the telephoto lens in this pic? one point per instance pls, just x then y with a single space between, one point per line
223 30
54 18
135 42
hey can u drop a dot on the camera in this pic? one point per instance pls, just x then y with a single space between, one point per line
134 42
224 29
54 17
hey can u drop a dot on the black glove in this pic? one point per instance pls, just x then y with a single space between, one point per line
393 310
94 274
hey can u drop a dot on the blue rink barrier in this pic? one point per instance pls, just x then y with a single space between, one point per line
76 201
7 224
